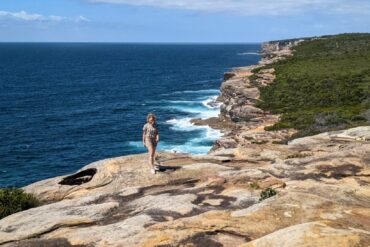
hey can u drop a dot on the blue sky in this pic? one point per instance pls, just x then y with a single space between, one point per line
178 20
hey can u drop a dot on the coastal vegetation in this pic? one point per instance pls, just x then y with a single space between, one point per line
13 200
324 86
254 185
267 193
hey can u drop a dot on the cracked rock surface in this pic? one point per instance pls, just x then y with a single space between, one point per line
323 199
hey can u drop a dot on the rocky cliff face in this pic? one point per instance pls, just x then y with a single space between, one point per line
322 184
239 95
239 91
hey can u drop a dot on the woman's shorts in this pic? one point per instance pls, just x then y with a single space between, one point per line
150 142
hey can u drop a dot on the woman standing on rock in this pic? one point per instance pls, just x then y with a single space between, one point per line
151 138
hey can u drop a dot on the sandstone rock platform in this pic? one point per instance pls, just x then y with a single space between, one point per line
322 184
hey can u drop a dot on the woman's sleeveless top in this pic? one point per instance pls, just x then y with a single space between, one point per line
150 130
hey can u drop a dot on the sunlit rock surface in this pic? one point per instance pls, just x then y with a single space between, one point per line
322 184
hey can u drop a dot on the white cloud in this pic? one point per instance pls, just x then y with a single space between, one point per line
24 16
256 7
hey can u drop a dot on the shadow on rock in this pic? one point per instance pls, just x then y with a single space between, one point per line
79 178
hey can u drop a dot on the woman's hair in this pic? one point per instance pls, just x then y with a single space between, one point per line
151 115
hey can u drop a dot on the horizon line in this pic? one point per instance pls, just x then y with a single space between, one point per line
134 42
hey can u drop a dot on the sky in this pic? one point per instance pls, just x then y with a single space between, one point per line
208 21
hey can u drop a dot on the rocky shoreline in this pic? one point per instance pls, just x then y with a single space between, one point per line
240 120
321 184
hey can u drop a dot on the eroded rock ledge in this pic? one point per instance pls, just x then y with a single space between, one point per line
322 184
211 200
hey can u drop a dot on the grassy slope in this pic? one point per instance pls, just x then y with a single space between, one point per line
324 86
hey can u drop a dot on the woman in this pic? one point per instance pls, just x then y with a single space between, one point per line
151 138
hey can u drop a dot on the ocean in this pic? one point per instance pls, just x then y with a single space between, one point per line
64 105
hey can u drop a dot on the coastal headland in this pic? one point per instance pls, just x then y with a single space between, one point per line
259 185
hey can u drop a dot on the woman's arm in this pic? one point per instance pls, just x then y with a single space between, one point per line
157 136
144 132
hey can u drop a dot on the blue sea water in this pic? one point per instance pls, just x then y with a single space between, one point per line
64 105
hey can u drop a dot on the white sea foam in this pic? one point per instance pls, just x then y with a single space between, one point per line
204 91
136 144
248 53
182 124
194 146
186 148
211 103
202 142
180 101
199 107
212 134
197 145
197 112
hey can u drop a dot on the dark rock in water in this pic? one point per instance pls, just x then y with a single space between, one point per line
228 75
79 178
213 103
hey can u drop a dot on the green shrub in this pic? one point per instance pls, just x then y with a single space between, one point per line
254 186
298 155
253 80
267 193
13 200
324 86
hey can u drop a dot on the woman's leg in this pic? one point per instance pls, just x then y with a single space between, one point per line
152 156
154 149
151 151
